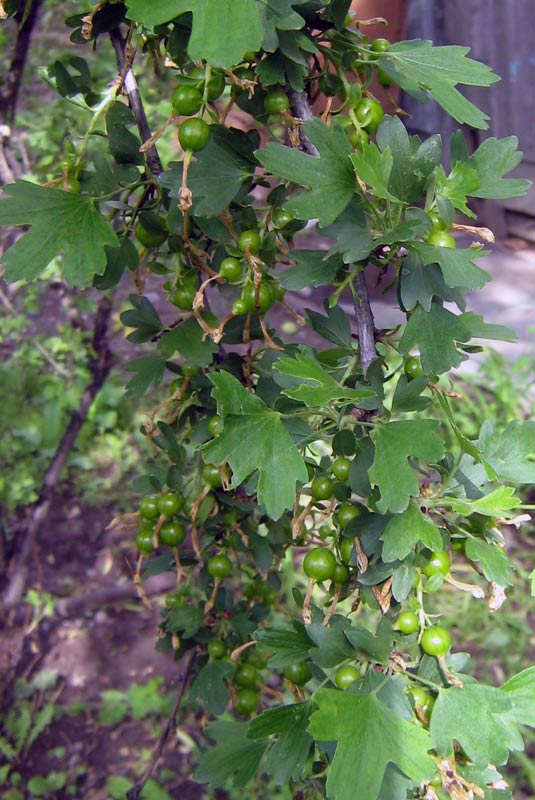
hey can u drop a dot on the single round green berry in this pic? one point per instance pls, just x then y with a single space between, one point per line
186 100
438 563
319 564
346 513
148 507
231 269
245 702
276 102
407 622
219 566
345 676
169 504
216 649
413 367
322 488
212 476
246 675
194 134
298 673
249 240
436 641
144 542
172 534
340 468
215 426
341 574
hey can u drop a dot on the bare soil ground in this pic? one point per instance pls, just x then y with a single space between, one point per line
93 647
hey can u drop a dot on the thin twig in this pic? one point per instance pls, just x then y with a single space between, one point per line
365 323
10 89
136 103
301 110
99 365
135 792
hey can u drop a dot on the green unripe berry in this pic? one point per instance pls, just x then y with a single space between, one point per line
345 676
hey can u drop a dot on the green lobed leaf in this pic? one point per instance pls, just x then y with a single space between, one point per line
211 688
467 445
334 326
416 224
374 168
457 266
512 452
369 736
315 386
157 565
351 235
329 178
61 222
376 646
287 645
148 370
275 16
188 340
277 69
438 70
296 45
143 317
472 716
477 328
408 394
493 159
395 443
435 334
497 503
217 174
521 691
254 438
413 160
403 580
494 563
287 757
405 530
108 177
358 477
239 19
314 268
186 620
117 260
235 756
462 181
420 283
331 645
153 791
124 145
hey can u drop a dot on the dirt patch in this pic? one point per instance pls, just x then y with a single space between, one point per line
97 655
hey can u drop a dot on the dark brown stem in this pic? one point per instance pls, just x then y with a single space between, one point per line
10 89
301 110
136 103
99 365
365 323
135 792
